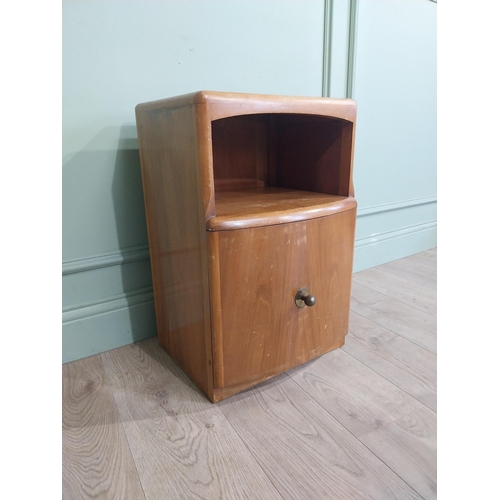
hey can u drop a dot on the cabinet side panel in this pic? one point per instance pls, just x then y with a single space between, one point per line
309 154
261 269
240 151
346 160
177 237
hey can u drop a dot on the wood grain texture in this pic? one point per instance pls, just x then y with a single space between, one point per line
173 178
182 444
312 153
346 159
408 447
405 364
216 315
195 150
428 258
359 398
96 459
268 206
414 294
306 453
226 104
261 270
240 149
410 323
414 268
291 150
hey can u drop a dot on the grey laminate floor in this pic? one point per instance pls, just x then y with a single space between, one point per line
359 422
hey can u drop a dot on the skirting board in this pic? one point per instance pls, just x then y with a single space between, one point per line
98 333
386 247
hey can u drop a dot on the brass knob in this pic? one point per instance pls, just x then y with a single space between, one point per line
304 297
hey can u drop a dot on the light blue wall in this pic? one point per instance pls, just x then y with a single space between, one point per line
394 84
117 54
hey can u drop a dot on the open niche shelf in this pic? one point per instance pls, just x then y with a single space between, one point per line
275 168
251 214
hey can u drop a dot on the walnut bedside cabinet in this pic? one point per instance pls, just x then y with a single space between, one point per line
251 215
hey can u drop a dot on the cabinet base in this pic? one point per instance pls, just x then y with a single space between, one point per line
226 392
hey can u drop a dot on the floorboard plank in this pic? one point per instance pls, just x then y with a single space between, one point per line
413 269
410 323
96 459
355 395
305 451
430 256
405 364
414 294
426 258
408 446
183 446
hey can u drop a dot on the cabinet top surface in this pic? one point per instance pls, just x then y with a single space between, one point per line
258 103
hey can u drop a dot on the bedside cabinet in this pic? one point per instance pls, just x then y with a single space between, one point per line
251 215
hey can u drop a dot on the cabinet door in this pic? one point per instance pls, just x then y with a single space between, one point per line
258 329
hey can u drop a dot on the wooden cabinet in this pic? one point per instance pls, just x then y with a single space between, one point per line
249 200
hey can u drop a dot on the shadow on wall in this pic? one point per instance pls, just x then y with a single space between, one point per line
128 201
107 294
95 223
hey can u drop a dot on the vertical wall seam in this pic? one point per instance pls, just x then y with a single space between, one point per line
351 48
327 48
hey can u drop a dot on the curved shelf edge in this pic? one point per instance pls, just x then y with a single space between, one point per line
275 217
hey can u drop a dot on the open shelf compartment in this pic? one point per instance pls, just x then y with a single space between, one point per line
272 168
